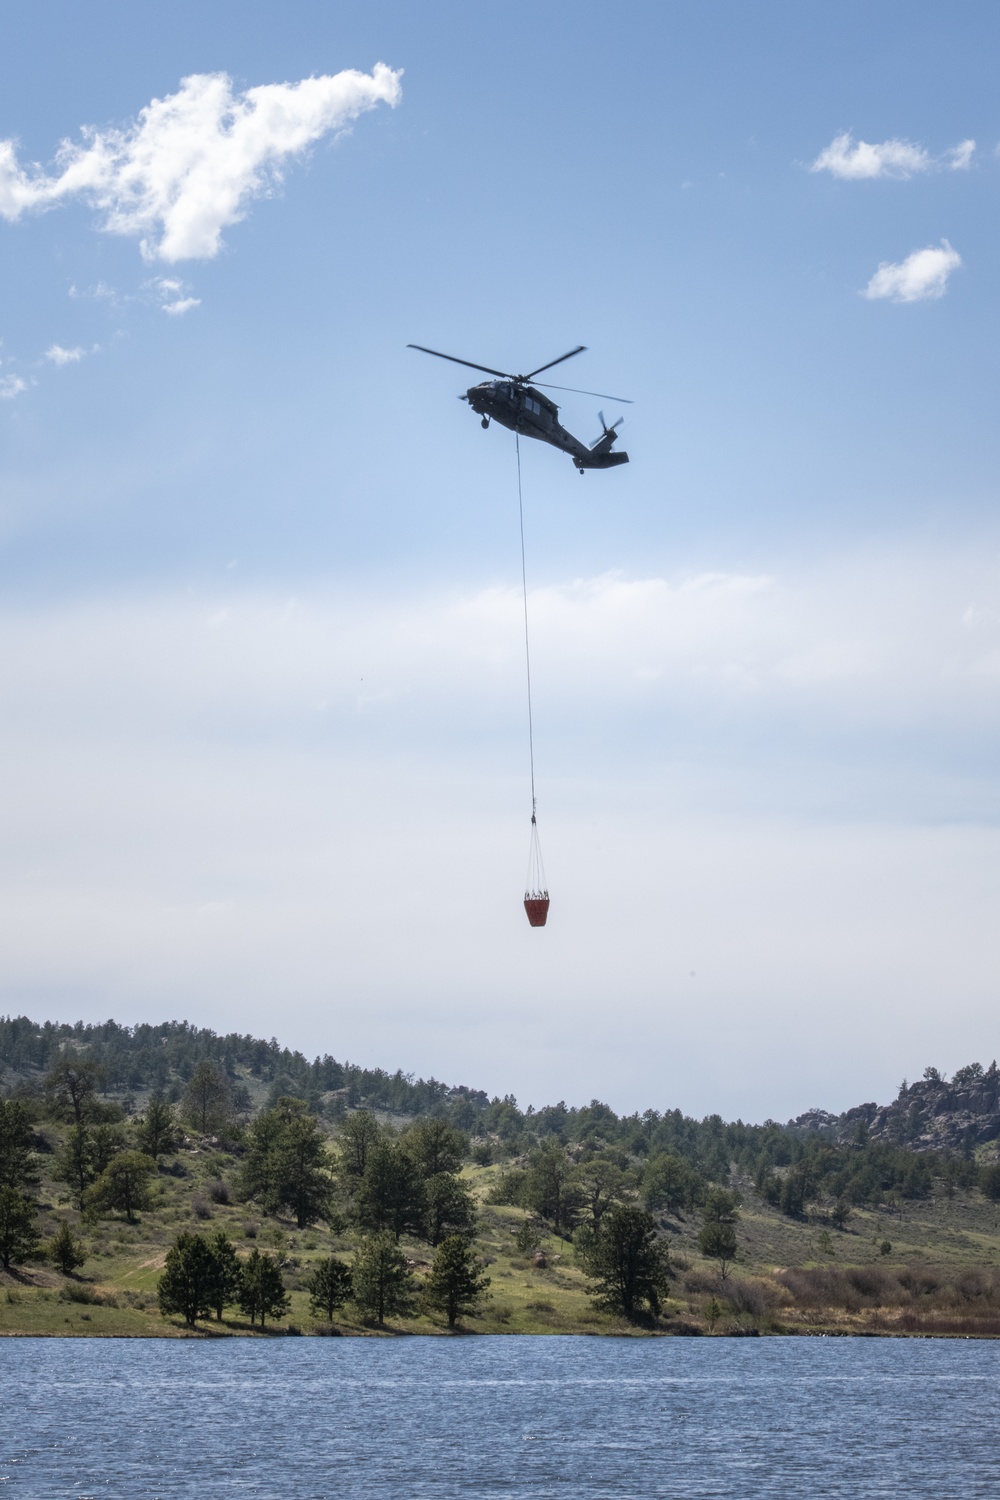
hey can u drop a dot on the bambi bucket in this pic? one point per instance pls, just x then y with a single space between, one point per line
537 908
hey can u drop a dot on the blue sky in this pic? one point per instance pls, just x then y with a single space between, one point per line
263 735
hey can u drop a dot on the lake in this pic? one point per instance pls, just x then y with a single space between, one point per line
499 1417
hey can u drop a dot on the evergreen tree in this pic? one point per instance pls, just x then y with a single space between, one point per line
285 1162
381 1278
262 1292
600 1183
549 1189
669 1183
840 1213
227 1272
451 1208
391 1197
18 1233
717 1240
123 1186
329 1287
989 1181
106 1142
206 1099
303 1184
75 1163
436 1147
628 1262
258 1178
71 1087
358 1134
65 1250
188 1283
157 1133
15 1145
456 1284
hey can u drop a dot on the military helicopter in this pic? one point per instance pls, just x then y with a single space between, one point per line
514 403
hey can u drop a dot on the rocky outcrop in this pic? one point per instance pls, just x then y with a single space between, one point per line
932 1115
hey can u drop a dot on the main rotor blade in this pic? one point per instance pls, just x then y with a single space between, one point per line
456 361
580 349
601 395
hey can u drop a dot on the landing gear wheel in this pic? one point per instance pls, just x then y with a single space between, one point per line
486 421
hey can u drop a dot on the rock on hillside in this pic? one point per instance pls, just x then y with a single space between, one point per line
932 1115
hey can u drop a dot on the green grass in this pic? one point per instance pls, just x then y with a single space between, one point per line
124 1262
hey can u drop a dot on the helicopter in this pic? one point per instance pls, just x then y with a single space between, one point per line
513 402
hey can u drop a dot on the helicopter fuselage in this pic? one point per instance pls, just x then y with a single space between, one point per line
525 410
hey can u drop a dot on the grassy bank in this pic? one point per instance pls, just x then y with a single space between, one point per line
939 1276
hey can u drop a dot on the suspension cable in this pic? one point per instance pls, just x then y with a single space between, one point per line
527 652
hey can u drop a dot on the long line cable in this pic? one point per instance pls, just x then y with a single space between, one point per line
527 649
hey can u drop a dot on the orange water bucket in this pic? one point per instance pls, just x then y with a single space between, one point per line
537 908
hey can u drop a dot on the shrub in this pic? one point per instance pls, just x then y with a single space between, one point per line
757 1298
219 1190
80 1292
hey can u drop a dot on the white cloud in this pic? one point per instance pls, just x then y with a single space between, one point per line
855 160
57 355
181 306
959 158
11 386
921 276
193 162
99 292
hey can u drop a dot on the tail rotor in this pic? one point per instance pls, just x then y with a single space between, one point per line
608 434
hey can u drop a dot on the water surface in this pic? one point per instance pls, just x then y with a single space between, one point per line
499 1417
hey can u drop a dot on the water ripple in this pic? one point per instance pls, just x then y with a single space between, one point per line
499 1419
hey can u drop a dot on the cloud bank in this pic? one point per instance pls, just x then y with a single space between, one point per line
920 277
854 161
192 163
785 782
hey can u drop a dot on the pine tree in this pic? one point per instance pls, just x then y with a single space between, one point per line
329 1287
286 1163
436 1147
157 1134
262 1292
451 1208
717 1240
72 1089
188 1283
124 1184
303 1184
206 1099
392 1197
18 1234
381 1278
75 1164
358 1135
227 1274
455 1285
628 1262
65 1250
15 1145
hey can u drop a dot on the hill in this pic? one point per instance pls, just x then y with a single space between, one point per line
883 1218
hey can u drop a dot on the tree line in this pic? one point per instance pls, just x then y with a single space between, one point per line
167 1059
604 1182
